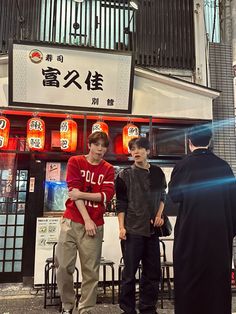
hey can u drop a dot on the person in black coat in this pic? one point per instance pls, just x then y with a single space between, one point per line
140 195
205 188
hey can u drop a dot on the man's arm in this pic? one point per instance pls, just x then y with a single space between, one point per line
122 230
159 221
76 194
121 205
106 194
89 224
73 175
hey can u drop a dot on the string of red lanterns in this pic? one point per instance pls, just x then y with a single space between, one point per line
68 133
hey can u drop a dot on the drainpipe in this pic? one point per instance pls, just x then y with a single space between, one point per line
233 14
233 28
226 24
200 43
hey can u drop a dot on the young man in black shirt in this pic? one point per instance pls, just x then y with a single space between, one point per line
140 193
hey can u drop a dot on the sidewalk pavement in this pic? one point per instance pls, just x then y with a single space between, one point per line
16 299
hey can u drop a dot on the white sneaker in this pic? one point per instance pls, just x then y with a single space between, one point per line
67 311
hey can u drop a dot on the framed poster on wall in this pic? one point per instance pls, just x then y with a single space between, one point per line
70 77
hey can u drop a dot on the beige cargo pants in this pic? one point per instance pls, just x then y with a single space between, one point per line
73 238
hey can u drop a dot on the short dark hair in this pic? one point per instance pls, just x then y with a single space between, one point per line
141 142
200 135
98 135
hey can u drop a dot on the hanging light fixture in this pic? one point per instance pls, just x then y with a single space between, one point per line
129 131
100 126
68 135
36 133
4 132
79 1
134 4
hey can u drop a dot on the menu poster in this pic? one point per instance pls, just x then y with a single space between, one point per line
53 171
47 232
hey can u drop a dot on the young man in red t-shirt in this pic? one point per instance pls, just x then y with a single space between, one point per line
90 180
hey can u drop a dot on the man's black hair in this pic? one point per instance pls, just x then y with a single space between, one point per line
200 135
141 142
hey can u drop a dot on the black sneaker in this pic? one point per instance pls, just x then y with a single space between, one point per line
67 311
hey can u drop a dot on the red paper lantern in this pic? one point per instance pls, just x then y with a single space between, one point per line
129 131
68 135
36 134
4 132
100 126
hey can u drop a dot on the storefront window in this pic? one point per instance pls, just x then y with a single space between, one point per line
10 231
17 266
56 192
19 231
9 243
18 254
8 254
169 142
20 219
8 267
11 219
2 230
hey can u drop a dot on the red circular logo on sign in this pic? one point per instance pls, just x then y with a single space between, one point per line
36 56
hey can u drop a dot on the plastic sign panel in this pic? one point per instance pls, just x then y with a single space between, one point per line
70 77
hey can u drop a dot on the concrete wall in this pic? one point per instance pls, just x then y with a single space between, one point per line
223 108
161 100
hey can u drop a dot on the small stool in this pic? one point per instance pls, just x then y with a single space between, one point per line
50 282
165 273
50 286
104 263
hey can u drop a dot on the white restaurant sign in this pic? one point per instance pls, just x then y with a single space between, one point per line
70 77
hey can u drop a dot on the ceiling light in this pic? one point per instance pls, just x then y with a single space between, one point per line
134 4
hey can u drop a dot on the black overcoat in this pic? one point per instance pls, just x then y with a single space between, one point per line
205 188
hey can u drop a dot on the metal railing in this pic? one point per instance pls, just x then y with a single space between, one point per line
161 32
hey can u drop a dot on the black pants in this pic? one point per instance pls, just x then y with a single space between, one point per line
135 249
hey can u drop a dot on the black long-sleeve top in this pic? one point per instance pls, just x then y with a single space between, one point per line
139 193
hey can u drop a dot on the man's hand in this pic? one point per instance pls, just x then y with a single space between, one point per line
90 227
74 194
122 234
158 222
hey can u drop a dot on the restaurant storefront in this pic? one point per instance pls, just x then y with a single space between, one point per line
32 177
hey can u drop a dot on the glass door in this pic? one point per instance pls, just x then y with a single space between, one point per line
12 218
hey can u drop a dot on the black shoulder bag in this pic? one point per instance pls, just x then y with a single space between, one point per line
166 229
